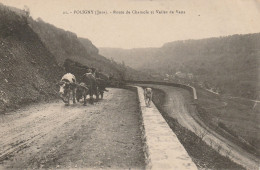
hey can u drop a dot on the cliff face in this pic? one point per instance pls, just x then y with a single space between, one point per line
66 45
91 49
62 44
28 71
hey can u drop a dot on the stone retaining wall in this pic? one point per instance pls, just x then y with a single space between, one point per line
162 148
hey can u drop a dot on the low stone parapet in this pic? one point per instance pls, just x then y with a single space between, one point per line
162 148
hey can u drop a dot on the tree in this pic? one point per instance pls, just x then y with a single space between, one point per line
27 11
123 71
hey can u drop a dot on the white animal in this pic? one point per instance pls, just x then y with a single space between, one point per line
68 85
148 94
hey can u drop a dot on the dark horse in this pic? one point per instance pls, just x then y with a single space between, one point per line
90 81
102 84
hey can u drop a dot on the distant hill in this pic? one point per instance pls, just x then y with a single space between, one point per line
135 58
230 63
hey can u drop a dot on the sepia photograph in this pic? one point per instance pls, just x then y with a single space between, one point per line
130 84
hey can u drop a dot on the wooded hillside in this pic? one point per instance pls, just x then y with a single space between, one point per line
230 63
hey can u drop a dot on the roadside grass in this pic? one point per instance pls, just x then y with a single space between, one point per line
202 154
235 119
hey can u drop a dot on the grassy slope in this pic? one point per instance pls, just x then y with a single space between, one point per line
203 155
233 118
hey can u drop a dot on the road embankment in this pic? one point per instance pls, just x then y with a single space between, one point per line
162 148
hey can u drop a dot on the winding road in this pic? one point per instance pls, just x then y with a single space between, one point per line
179 105
104 135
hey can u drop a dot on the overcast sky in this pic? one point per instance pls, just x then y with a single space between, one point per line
202 19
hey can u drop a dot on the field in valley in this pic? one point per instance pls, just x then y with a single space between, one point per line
236 119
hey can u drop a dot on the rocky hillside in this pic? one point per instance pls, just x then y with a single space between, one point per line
91 49
28 71
66 45
229 64
32 56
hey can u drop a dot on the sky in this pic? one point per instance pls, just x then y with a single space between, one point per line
197 19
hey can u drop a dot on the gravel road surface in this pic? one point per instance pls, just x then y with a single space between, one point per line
52 135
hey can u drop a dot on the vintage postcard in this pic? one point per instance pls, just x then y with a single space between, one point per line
129 84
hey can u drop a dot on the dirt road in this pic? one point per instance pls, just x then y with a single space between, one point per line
179 106
51 135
